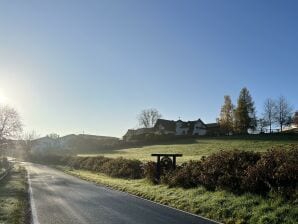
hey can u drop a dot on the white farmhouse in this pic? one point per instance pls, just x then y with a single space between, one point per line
178 128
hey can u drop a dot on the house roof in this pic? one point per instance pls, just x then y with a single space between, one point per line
129 131
191 125
212 125
202 122
167 124
139 131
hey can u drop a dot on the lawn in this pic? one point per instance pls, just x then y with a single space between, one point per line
14 205
218 205
196 148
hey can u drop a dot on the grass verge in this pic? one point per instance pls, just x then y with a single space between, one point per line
14 203
218 205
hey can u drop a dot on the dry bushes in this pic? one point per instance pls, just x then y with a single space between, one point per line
276 171
237 171
119 167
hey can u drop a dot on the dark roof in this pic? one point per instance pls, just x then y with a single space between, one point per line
129 131
42 138
212 125
187 124
202 122
167 124
139 131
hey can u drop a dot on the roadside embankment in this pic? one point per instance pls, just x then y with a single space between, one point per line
14 203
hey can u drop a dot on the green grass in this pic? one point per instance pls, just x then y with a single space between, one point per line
14 205
196 148
218 205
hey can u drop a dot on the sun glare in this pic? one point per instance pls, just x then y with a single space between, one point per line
3 99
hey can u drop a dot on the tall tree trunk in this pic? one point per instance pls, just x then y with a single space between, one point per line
270 128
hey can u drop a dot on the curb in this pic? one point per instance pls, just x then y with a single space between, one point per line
34 219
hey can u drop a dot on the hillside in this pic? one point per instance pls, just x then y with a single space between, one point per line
203 146
74 143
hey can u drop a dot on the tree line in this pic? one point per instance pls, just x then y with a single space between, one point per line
241 118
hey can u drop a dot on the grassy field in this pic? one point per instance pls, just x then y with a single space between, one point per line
14 206
196 148
218 205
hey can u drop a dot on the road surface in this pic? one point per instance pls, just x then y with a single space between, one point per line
61 198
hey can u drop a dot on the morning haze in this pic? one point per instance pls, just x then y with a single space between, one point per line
191 105
93 66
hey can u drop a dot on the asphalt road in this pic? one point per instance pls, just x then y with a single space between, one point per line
61 198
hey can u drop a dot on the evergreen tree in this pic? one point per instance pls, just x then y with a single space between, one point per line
226 118
245 116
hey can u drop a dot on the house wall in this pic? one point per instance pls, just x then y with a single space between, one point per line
199 129
161 130
180 130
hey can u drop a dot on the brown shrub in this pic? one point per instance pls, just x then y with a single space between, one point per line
123 168
226 169
187 175
277 170
150 172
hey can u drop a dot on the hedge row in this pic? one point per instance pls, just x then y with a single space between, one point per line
237 171
119 167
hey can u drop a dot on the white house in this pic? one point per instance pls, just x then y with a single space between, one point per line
190 127
170 127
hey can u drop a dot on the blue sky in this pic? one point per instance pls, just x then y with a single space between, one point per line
74 66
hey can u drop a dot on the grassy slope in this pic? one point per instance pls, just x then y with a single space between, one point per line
196 148
13 198
219 205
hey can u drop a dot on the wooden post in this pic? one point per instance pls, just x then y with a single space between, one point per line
158 168
174 162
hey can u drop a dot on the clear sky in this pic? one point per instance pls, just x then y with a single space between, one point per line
74 66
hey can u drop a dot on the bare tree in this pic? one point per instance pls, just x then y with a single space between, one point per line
53 136
27 141
295 119
261 124
147 118
284 112
10 124
269 112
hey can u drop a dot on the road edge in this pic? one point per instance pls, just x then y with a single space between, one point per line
133 195
34 219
